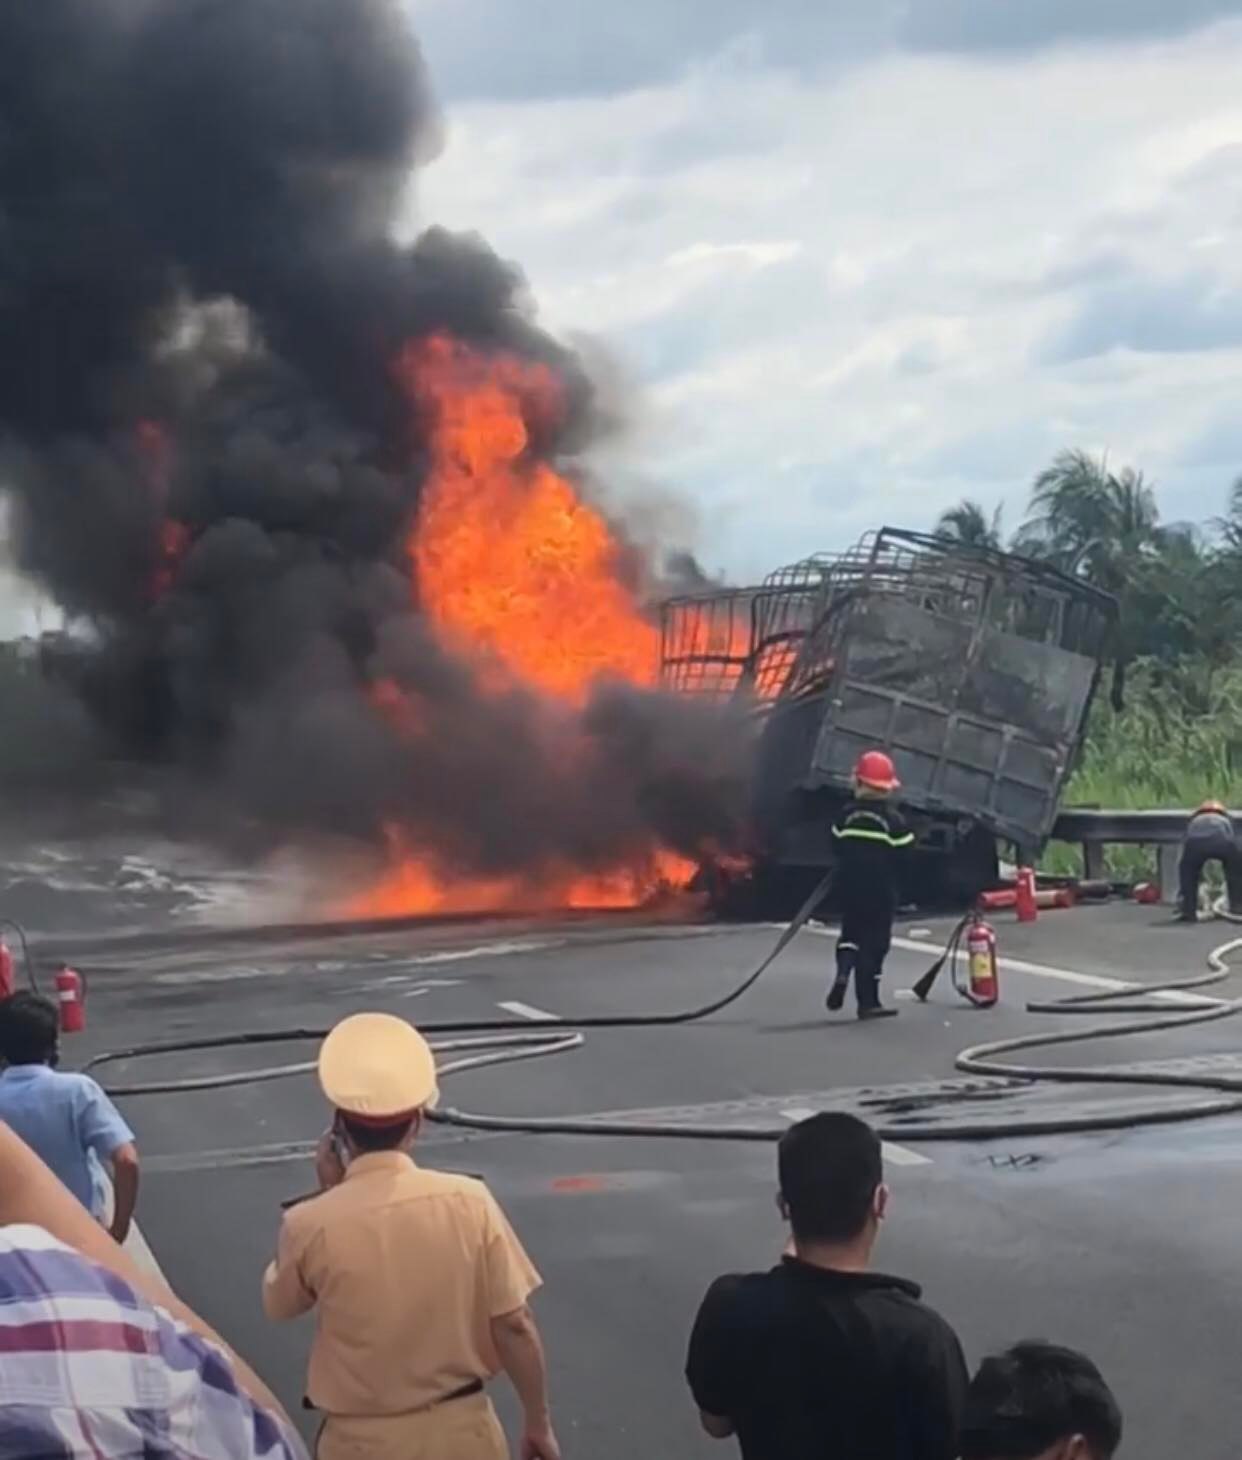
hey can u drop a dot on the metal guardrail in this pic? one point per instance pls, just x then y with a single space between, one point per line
1094 830
1147 827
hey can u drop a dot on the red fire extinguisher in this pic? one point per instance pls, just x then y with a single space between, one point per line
71 999
982 974
1024 887
7 982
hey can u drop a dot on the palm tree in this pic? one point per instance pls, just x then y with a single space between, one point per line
1103 526
1230 525
969 524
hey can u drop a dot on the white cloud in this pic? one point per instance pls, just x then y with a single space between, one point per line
856 295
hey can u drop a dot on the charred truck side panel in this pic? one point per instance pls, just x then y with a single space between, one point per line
974 669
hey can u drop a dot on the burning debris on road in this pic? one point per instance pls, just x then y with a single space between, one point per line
309 491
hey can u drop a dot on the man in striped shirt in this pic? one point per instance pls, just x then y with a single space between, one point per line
101 1362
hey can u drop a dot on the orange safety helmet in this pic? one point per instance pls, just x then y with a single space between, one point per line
1211 806
875 770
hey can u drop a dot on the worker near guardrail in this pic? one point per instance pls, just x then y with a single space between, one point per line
1210 837
419 1282
868 838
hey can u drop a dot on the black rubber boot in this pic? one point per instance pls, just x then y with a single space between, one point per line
876 1011
869 1006
840 985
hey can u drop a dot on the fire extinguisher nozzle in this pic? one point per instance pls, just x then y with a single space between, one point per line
924 985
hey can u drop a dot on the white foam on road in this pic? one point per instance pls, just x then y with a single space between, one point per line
418 960
487 950
215 975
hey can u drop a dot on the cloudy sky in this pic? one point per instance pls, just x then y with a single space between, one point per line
861 260
857 259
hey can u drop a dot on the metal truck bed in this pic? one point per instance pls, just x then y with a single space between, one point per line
974 669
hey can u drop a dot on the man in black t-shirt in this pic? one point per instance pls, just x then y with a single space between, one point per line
821 1358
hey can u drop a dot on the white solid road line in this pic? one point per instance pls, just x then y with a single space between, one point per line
1044 970
1070 975
893 1153
525 1011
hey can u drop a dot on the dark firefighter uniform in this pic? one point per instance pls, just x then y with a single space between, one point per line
1210 837
868 838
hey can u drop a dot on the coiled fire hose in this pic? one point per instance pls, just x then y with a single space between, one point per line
479 1043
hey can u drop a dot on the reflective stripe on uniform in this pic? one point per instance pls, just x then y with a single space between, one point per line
860 834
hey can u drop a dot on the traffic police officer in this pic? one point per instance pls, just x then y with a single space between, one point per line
1210 837
419 1283
867 836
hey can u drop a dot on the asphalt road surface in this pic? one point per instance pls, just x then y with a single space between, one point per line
1123 1244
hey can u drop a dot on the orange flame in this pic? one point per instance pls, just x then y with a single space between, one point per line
526 579
172 544
414 884
172 538
509 560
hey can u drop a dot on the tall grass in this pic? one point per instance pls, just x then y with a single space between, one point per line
1160 751
1177 742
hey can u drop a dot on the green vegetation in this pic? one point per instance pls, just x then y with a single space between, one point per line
1160 750
1169 730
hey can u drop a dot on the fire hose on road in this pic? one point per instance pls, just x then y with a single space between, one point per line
474 1044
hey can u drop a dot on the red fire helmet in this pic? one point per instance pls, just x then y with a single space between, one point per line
876 770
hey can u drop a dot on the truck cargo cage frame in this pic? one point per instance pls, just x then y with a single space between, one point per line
974 668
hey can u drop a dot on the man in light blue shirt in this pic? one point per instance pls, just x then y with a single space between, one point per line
66 1119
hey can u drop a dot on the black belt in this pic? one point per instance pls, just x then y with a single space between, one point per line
471 1386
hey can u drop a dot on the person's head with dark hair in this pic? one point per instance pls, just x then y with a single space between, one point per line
832 1189
1038 1401
365 1137
29 1030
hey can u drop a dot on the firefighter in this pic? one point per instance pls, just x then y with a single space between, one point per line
868 837
1210 837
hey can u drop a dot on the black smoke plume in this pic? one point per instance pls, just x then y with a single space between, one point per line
213 472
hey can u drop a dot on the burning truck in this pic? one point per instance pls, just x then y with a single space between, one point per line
316 499
974 669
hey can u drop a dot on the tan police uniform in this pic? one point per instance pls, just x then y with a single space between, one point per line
406 1269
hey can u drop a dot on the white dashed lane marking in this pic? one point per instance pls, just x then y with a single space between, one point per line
525 1011
904 1156
894 1154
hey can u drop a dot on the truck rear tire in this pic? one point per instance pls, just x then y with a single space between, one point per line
973 867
